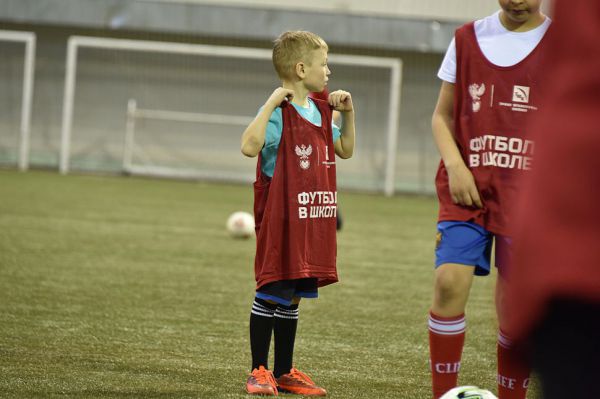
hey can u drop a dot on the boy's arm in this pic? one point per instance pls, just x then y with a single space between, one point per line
342 102
253 138
462 184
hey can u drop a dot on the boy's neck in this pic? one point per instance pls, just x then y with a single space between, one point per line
533 22
300 92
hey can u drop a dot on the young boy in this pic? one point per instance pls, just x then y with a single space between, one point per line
295 199
489 91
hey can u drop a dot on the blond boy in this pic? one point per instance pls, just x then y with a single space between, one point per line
295 204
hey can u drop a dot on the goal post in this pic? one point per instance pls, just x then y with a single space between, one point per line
29 40
141 111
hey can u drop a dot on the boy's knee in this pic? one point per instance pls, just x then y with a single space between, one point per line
446 292
452 283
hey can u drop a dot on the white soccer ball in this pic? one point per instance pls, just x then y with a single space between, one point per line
240 225
468 392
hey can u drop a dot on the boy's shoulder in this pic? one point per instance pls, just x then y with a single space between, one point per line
275 115
489 25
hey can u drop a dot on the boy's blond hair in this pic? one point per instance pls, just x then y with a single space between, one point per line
292 47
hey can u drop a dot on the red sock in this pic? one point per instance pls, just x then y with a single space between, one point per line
446 341
513 370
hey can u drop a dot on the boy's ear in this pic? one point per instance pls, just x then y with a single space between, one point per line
300 71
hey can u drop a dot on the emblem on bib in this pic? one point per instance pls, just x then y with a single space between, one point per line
476 91
521 94
304 152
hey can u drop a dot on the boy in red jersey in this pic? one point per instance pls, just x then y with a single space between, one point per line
554 293
489 91
295 204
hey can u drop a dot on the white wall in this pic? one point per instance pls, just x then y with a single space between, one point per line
455 10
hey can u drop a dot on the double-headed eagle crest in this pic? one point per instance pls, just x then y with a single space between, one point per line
303 152
476 91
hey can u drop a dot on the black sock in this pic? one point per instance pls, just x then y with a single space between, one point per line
261 328
286 321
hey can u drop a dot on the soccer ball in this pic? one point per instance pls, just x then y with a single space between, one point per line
468 392
240 225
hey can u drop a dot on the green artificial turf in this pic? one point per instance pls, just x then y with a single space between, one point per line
116 287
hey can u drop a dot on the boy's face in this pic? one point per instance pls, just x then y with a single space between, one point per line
520 11
316 71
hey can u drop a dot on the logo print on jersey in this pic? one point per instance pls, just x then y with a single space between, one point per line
476 91
327 162
303 152
521 94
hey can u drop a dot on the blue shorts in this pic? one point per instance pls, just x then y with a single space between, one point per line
469 244
284 291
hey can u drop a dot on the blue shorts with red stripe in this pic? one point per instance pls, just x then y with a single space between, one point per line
470 244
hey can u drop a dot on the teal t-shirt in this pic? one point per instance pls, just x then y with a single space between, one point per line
275 128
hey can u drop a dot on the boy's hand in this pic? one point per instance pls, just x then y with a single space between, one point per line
279 95
341 101
462 186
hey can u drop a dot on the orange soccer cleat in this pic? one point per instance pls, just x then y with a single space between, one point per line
297 382
261 382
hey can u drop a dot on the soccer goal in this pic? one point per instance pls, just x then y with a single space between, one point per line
28 39
180 109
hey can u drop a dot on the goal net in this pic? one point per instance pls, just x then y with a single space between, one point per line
178 110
